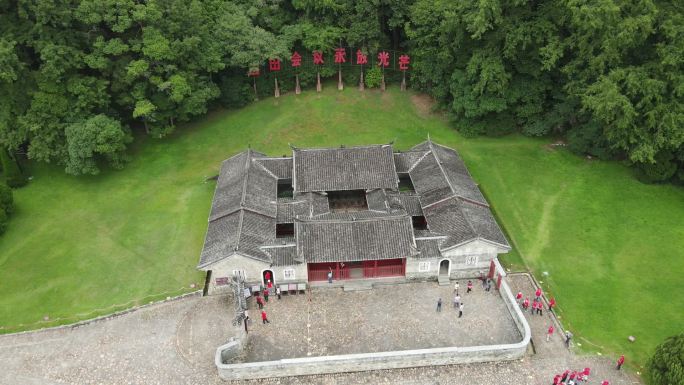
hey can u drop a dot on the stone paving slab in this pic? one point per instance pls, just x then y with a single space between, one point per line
397 317
174 343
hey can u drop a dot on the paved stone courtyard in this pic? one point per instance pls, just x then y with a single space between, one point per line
174 343
396 317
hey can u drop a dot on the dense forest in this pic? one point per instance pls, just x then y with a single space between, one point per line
77 77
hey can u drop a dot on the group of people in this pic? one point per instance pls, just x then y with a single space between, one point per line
537 305
261 301
458 304
574 377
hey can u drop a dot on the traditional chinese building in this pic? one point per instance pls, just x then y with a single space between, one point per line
363 212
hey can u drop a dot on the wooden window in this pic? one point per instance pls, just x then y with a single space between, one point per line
289 274
423 267
471 260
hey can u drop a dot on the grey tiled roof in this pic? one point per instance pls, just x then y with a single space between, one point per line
245 208
284 256
280 167
411 204
393 201
403 161
240 232
244 185
457 173
345 241
483 222
429 248
354 168
447 218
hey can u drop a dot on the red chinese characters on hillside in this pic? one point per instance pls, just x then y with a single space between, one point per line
361 58
296 59
318 57
404 61
339 55
274 64
383 59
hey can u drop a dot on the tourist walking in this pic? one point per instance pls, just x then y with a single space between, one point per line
266 294
460 310
269 284
540 307
552 303
457 301
533 308
456 288
330 275
439 305
549 333
489 285
538 294
264 319
469 286
620 361
605 383
568 337
278 292
526 303
260 302
518 297
246 320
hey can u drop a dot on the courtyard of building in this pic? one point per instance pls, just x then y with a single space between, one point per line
330 321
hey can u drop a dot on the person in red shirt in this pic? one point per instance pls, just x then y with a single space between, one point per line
605 383
526 303
540 307
264 319
269 284
519 296
538 293
552 303
470 286
556 379
266 294
549 333
267 275
620 361
260 302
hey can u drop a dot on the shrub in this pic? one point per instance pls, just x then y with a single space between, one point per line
666 367
13 175
373 77
662 169
6 198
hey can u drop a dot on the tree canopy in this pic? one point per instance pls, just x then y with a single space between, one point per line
608 76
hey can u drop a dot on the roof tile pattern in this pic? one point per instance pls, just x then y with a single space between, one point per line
404 161
334 169
284 256
429 248
280 167
346 241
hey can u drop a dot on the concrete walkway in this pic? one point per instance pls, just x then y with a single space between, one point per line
174 343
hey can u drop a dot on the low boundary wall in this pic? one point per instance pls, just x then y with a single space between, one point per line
383 360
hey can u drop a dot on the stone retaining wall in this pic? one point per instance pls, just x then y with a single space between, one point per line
383 360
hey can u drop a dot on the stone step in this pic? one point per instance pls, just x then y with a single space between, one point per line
443 280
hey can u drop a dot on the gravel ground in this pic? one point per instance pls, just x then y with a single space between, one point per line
397 317
174 343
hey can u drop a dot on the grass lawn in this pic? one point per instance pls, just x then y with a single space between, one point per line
79 247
